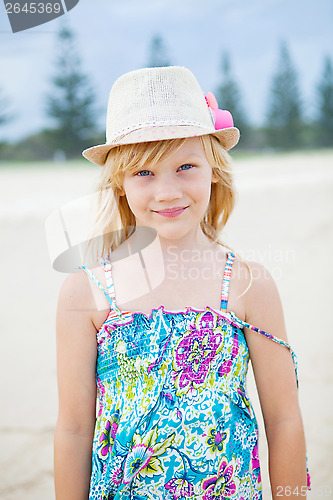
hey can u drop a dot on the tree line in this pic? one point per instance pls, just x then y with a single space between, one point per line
71 106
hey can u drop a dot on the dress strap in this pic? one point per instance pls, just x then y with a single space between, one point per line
226 280
108 277
106 263
240 323
95 280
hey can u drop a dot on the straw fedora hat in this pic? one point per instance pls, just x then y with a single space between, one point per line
153 104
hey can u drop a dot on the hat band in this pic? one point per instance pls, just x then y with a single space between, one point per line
120 134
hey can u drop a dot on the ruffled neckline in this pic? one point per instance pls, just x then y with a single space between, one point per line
124 315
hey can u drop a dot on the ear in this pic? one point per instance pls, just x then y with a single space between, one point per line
214 178
121 192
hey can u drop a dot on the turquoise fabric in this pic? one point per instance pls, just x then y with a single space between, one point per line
174 420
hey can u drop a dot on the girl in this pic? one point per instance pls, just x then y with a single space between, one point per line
162 330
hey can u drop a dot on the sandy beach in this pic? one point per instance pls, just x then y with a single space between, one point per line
283 219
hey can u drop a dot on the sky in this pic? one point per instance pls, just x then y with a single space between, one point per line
113 37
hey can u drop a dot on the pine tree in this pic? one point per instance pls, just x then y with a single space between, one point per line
284 116
228 96
325 105
71 105
158 53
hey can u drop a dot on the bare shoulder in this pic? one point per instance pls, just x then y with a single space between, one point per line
75 292
262 302
263 288
251 280
80 296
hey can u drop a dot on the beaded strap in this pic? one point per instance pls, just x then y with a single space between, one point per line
106 263
226 280
240 323
95 280
110 293
108 277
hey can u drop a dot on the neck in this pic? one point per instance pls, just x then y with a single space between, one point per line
143 238
194 241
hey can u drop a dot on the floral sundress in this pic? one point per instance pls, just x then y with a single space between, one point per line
174 418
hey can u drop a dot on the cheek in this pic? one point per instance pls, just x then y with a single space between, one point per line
132 201
202 188
206 199
135 196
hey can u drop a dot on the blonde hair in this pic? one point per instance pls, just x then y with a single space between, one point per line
115 221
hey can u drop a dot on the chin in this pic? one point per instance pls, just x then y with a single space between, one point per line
173 234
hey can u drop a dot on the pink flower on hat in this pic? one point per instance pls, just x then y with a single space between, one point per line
222 117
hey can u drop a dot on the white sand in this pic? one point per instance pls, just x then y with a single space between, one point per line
283 219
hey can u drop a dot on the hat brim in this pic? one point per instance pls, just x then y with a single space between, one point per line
228 138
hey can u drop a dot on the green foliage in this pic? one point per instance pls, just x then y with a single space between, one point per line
284 116
325 105
5 115
158 53
35 147
40 147
71 104
229 97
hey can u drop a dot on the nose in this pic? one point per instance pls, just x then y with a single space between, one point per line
167 189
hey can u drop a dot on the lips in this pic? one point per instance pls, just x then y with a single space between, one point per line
170 212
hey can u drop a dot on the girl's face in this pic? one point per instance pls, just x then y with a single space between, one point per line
173 195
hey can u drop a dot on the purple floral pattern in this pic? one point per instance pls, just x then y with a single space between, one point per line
179 488
194 353
107 436
223 484
217 441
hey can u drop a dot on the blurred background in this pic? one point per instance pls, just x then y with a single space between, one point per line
269 62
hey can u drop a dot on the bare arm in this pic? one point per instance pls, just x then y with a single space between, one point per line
276 383
76 362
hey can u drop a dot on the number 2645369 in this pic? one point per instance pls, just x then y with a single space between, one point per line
33 8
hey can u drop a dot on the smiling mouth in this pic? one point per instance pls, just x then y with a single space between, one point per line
170 212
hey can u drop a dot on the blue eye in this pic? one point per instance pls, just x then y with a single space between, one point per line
186 166
143 173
